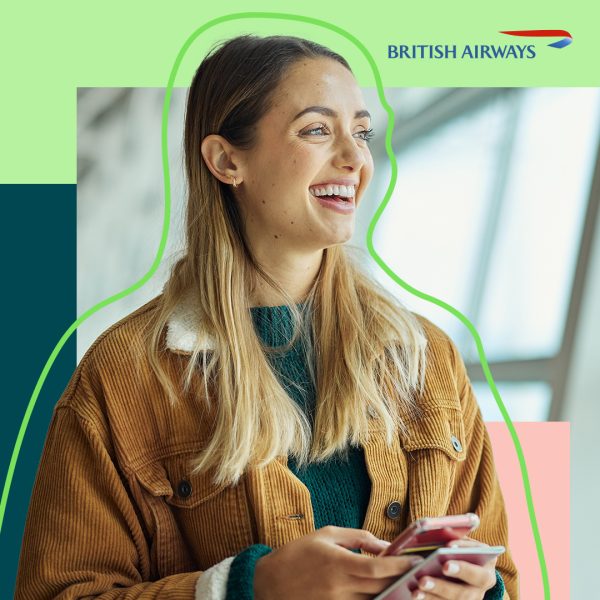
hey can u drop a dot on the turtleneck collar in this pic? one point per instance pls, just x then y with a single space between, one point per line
273 323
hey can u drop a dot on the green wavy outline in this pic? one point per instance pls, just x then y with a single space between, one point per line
165 231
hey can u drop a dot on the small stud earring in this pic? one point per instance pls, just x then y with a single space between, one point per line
234 182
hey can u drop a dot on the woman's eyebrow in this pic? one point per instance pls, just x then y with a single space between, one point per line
329 112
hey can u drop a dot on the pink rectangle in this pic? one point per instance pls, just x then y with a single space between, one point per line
546 450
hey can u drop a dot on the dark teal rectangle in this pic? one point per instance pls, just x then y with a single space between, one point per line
39 303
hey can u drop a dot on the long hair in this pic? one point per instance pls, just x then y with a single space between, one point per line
365 351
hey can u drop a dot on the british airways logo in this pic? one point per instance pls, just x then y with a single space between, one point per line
481 51
567 37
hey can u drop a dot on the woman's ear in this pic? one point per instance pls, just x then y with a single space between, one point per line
221 158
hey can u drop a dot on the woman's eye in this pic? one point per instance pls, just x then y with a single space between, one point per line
366 134
320 128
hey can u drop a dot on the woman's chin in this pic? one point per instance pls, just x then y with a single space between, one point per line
338 239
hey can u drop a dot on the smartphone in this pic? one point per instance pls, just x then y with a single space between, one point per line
432 566
426 535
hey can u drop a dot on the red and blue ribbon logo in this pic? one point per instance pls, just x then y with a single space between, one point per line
567 39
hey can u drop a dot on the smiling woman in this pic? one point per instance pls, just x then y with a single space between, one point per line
312 139
274 408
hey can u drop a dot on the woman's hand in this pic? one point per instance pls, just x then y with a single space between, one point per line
476 580
320 566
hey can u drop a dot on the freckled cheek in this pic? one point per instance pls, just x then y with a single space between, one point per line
265 190
285 185
304 160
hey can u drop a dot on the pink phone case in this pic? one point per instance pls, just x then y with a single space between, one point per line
431 533
432 566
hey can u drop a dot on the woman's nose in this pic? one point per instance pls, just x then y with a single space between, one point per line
348 154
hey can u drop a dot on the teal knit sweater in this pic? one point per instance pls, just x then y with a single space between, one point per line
339 488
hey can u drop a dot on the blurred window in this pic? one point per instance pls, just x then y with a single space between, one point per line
487 215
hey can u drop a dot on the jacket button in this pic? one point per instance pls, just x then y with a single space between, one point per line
184 488
456 443
393 510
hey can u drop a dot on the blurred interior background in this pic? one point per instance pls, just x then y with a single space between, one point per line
494 212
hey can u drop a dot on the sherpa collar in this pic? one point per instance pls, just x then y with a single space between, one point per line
184 326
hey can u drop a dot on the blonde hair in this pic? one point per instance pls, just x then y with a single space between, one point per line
365 351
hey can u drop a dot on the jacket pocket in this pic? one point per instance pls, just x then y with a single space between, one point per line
213 520
171 477
190 490
435 445
437 428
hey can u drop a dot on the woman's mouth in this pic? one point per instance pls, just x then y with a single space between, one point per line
339 198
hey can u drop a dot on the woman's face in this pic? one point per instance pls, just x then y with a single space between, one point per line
311 139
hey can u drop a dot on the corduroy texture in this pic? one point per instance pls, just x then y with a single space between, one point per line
116 513
339 489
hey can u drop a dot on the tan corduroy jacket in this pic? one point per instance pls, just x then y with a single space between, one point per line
115 512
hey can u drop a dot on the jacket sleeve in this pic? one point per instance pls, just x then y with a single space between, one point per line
476 486
82 536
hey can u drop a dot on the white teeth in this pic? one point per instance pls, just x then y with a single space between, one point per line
346 191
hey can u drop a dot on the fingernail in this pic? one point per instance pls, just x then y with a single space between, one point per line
454 545
427 584
384 543
451 568
416 560
420 596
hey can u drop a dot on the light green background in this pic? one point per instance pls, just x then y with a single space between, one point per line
48 50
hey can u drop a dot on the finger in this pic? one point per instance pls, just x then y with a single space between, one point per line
353 539
432 588
367 585
483 577
377 567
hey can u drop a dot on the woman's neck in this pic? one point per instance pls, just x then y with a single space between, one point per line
295 274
